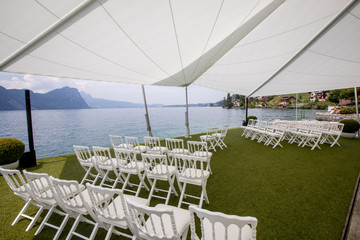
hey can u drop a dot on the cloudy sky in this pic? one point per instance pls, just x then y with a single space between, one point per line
113 91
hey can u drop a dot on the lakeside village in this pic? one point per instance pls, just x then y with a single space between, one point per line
341 101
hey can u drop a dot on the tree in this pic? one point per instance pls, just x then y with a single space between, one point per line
229 103
237 96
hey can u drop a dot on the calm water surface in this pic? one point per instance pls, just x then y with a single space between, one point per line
56 131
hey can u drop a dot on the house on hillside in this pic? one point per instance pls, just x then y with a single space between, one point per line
236 102
288 99
321 96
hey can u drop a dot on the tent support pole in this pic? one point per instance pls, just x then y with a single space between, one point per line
29 158
246 110
357 109
296 107
187 114
148 127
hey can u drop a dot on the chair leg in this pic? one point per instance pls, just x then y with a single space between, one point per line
182 195
23 210
58 233
86 175
109 233
42 224
74 226
33 221
152 189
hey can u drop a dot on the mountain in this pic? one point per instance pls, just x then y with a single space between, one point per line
103 103
63 98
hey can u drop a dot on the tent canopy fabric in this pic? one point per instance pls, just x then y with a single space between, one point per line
249 47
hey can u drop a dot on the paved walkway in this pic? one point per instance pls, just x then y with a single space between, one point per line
354 230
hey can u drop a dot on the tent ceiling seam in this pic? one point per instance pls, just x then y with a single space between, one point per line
282 33
333 57
136 45
354 15
255 60
79 69
322 75
230 36
308 44
47 9
177 41
13 37
207 41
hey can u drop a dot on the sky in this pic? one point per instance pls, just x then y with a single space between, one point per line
113 91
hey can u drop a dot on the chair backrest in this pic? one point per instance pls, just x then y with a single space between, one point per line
69 193
153 145
215 225
126 156
108 204
156 164
190 166
198 148
15 180
102 154
40 186
340 127
150 222
117 141
212 131
177 144
83 154
224 130
131 142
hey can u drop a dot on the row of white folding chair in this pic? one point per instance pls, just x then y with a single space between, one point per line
215 138
156 167
151 144
111 209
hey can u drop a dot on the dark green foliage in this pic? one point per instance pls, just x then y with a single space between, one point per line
11 150
251 117
350 125
348 93
346 110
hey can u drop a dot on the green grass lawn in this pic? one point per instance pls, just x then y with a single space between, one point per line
295 193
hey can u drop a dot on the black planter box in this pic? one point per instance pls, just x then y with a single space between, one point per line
28 160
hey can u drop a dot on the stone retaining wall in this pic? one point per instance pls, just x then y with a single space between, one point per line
321 116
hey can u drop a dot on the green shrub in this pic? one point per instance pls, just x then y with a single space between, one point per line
350 125
346 110
251 117
11 150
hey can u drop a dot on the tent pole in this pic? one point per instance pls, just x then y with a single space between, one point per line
29 158
148 127
187 115
356 105
246 110
296 107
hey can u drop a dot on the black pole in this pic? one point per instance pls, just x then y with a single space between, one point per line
246 109
29 158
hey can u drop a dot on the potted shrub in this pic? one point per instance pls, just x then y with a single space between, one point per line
350 128
346 110
11 150
247 120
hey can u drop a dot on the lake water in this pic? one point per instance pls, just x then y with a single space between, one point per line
56 131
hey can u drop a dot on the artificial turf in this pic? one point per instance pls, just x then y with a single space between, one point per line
295 193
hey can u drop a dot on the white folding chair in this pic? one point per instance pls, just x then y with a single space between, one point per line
107 164
133 143
216 225
160 222
17 183
191 171
199 149
274 138
220 137
210 138
313 139
111 209
332 134
248 128
129 165
157 168
87 162
40 185
153 146
117 142
77 204
175 146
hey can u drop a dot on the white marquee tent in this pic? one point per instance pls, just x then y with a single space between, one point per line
250 47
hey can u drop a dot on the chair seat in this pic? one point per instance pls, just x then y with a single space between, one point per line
180 151
123 145
207 137
159 169
202 154
233 231
120 211
182 219
193 176
141 148
106 165
131 167
159 150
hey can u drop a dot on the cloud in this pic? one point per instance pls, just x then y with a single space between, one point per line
112 91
